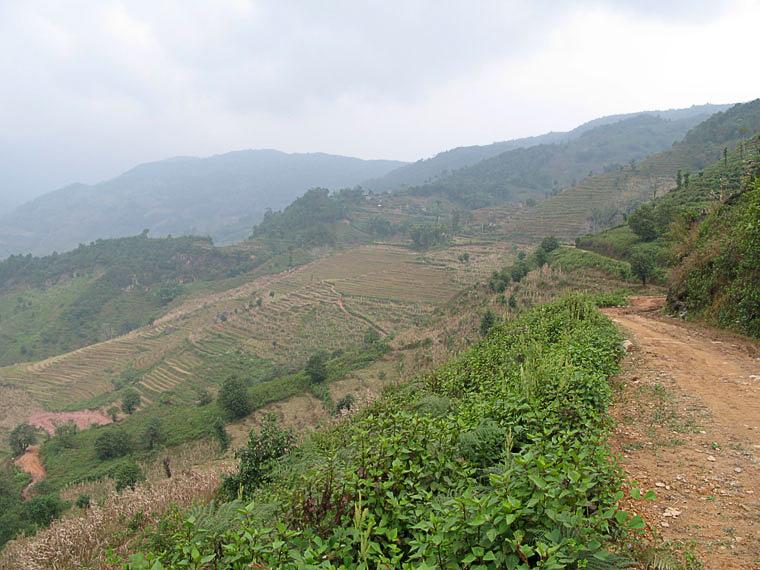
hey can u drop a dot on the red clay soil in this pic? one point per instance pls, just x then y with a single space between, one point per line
31 463
689 428
83 419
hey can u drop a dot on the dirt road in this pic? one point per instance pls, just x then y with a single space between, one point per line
31 463
689 428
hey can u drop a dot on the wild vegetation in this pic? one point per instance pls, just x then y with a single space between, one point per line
702 235
463 467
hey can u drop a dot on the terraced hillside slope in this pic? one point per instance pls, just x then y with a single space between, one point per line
600 201
58 303
274 322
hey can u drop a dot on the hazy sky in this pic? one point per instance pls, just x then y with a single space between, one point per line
90 88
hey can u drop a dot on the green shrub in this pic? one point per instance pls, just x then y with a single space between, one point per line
234 399
512 470
41 510
345 403
21 437
112 443
258 457
219 432
486 322
83 501
127 476
130 400
316 368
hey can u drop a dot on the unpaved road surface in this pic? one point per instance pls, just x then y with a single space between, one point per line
689 428
31 463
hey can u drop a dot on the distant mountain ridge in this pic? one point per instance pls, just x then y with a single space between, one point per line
221 196
445 163
600 201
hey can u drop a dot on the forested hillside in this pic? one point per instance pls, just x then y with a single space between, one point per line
446 163
539 171
602 200
221 196
61 302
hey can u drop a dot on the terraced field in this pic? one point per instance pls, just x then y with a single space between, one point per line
273 321
572 212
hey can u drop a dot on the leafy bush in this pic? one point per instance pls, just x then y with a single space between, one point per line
258 457
486 322
220 434
42 509
233 398
127 475
345 403
21 437
83 501
130 400
483 445
112 443
316 369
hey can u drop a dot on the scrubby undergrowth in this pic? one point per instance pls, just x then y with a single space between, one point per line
496 460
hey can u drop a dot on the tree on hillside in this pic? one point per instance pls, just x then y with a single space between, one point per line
65 433
113 413
130 400
643 223
220 433
541 257
316 368
426 235
258 457
487 322
127 476
153 435
233 398
549 244
518 271
112 443
643 266
22 436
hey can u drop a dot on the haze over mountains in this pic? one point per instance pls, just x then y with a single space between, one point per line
225 195
222 196
427 170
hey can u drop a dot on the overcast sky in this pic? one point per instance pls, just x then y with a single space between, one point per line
90 88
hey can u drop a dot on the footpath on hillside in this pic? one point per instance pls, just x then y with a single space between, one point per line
688 427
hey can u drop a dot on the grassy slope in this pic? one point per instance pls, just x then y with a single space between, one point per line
721 178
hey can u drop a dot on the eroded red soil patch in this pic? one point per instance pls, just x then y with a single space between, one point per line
31 463
83 419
